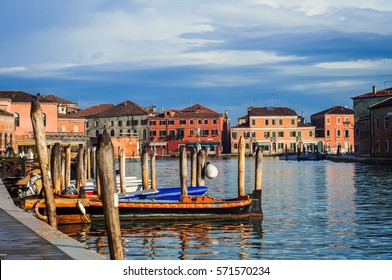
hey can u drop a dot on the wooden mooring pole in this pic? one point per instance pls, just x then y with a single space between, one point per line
193 167
67 166
241 167
201 159
107 177
144 161
42 153
259 169
153 170
183 172
56 168
121 163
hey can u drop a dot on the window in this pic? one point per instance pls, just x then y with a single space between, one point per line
96 133
183 122
87 124
170 122
153 122
328 134
273 133
292 121
172 133
162 133
292 134
234 135
199 121
280 134
346 133
310 133
121 132
119 123
112 124
254 134
153 133
128 132
191 132
280 145
378 123
135 122
214 132
338 121
112 132
386 122
16 119
280 122
44 118
273 122
162 122
235 146
266 122
205 121
253 122
128 123
167 113
378 145
190 121
386 145
338 133
96 124
266 134
246 134
206 132
328 121
143 122
214 121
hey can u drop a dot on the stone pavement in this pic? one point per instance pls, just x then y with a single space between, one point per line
24 237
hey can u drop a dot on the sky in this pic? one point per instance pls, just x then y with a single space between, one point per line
224 54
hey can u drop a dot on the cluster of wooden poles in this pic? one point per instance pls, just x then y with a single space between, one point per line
105 175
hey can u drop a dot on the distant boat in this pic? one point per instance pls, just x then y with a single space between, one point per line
306 156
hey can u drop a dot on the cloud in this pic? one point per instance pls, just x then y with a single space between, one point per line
379 64
12 70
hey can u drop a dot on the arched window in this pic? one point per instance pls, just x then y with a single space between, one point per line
121 132
44 118
97 133
128 132
16 119
104 131
112 132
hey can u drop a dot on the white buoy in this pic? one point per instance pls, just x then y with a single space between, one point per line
210 171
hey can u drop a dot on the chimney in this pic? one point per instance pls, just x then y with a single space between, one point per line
374 90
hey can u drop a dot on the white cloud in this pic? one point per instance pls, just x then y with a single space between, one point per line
12 70
380 64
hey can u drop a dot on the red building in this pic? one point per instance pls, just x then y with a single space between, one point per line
194 126
335 126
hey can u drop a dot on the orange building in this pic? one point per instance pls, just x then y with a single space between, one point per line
196 126
274 129
18 103
335 126
6 130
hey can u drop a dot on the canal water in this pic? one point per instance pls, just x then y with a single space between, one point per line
312 210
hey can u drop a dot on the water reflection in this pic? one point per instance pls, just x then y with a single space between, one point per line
185 241
312 210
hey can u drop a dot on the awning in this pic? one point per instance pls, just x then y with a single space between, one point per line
263 143
203 144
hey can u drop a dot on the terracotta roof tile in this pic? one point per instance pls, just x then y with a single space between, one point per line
21 96
195 111
126 108
94 110
336 110
270 111
57 99
379 93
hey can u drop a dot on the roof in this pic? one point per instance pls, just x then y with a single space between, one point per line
5 113
385 103
69 116
336 110
57 99
379 93
21 96
270 111
126 108
93 110
194 111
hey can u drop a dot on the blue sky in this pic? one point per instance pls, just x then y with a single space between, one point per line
224 54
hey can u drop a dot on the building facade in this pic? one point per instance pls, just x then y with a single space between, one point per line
364 127
194 126
381 128
335 128
275 129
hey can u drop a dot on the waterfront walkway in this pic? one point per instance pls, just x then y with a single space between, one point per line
24 237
